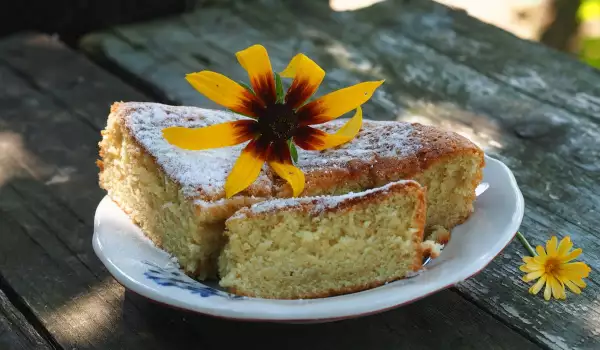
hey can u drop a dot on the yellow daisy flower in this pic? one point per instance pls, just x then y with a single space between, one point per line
276 121
552 268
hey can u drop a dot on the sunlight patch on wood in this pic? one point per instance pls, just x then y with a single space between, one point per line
90 315
15 160
351 5
353 61
524 18
62 175
485 136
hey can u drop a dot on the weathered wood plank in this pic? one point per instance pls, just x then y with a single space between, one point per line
441 321
570 324
75 321
569 88
48 260
550 133
69 22
15 332
530 68
507 122
46 253
55 208
488 109
85 94
551 145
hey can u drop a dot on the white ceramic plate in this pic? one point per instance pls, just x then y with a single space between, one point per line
137 264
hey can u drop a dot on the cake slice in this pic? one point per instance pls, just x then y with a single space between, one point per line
177 196
314 247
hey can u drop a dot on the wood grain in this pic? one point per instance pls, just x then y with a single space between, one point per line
531 107
47 204
15 332
49 128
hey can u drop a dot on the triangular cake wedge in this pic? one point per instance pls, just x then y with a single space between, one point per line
314 247
177 196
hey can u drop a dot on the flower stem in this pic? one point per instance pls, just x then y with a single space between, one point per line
526 244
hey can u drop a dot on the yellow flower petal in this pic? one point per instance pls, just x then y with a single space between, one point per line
558 290
538 285
246 168
540 251
579 268
337 103
528 259
290 173
213 136
526 268
551 246
532 264
572 255
572 286
533 275
548 289
579 282
564 246
574 274
292 67
532 268
224 91
307 78
563 290
540 260
570 275
255 61
313 139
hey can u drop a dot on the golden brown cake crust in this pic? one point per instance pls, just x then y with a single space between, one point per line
326 204
381 153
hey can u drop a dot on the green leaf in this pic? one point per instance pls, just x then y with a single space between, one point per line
246 86
278 88
293 151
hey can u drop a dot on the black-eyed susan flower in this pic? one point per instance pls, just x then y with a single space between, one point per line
276 121
553 269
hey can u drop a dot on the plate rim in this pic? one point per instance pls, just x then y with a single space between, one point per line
289 314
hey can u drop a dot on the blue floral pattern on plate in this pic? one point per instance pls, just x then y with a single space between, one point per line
173 277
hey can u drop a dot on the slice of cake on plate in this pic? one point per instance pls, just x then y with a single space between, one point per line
314 247
177 196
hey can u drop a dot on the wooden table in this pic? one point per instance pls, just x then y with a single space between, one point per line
535 109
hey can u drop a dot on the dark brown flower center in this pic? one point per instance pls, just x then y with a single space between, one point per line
278 122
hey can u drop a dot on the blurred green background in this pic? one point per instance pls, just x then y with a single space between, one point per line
572 26
588 15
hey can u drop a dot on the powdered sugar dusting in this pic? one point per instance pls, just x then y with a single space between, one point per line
196 171
210 204
202 174
376 139
319 203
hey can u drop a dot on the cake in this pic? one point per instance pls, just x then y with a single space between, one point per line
313 247
177 196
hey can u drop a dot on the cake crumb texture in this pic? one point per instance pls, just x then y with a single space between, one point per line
156 203
323 246
177 196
